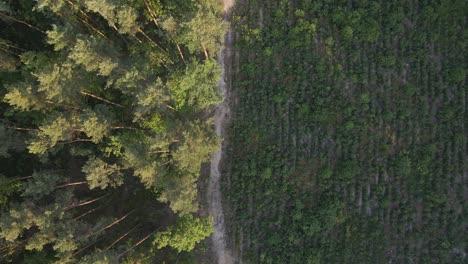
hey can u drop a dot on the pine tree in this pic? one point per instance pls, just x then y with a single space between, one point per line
100 257
96 123
100 174
196 86
198 145
180 192
41 184
61 37
58 128
94 54
24 96
206 30
61 83
185 234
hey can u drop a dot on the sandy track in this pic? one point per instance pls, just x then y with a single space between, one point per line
221 253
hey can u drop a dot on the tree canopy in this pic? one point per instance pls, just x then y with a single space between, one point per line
104 128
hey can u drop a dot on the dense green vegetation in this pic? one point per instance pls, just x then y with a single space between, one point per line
348 141
103 128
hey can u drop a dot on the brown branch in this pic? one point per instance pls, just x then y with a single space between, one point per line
23 22
100 98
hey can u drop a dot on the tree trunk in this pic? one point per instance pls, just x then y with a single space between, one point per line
121 237
84 203
70 184
75 140
155 20
107 227
84 21
138 243
22 22
152 14
100 98
205 51
152 41
88 212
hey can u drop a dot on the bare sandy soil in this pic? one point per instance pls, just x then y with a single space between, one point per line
228 4
221 253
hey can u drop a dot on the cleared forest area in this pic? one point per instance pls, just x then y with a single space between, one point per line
347 141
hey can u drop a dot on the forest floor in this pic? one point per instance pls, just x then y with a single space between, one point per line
214 197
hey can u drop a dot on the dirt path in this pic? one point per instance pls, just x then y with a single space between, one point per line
221 253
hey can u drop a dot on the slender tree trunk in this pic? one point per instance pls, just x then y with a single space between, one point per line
88 212
106 227
180 51
152 14
12 46
64 106
100 98
170 107
205 51
155 20
151 40
84 203
11 52
86 247
70 184
121 237
116 221
13 125
91 26
124 127
18 179
137 244
22 22
139 40
75 140
22 128
84 21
